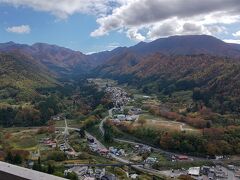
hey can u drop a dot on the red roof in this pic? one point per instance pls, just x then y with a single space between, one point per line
182 157
103 151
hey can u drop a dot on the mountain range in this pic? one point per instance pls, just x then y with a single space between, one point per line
164 65
62 60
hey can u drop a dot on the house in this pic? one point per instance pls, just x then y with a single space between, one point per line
90 139
182 158
231 167
205 170
67 171
50 143
89 178
135 111
145 149
237 174
116 121
113 150
90 171
121 152
220 174
103 151
210 176
219 157
146 97
93 147
109 177
131 118
194 171
133 176
121 117
58 117
151 160
99 173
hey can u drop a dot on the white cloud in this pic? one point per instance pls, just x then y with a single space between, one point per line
64 8
236 34
234 41
112 46
196 17
180 27
135 35
157 18
22 29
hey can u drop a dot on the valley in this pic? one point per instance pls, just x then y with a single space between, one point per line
150 110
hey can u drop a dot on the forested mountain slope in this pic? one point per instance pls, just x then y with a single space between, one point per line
20 76
214 80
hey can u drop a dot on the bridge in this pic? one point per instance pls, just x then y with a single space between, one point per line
105 165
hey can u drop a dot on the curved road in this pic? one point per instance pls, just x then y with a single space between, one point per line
103 121
119 159
135 143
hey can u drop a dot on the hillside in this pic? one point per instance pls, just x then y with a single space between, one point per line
216 79
21 75
188 45
64 61
164 66
175 45
60 60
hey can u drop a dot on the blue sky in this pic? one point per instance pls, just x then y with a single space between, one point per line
73 32
97 25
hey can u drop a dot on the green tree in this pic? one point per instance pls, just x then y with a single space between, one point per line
72 176
9 157
17 159
50 169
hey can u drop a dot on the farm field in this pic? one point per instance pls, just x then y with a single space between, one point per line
160 122
71 123
22 139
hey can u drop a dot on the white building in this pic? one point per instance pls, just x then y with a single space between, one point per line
121 117
194 171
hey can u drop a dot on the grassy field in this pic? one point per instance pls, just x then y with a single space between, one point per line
163 123
23 138
71 123
101 83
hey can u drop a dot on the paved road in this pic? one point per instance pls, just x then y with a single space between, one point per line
103 165
119 159
66 133
69 128
103 121
193 158
136 143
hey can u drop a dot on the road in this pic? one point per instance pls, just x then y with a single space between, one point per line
119 159
66 134
136 143
104 120
102 165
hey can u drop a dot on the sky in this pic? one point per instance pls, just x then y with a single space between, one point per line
97 25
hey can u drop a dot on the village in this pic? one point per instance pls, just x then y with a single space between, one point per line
120 114
138 156
89 157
